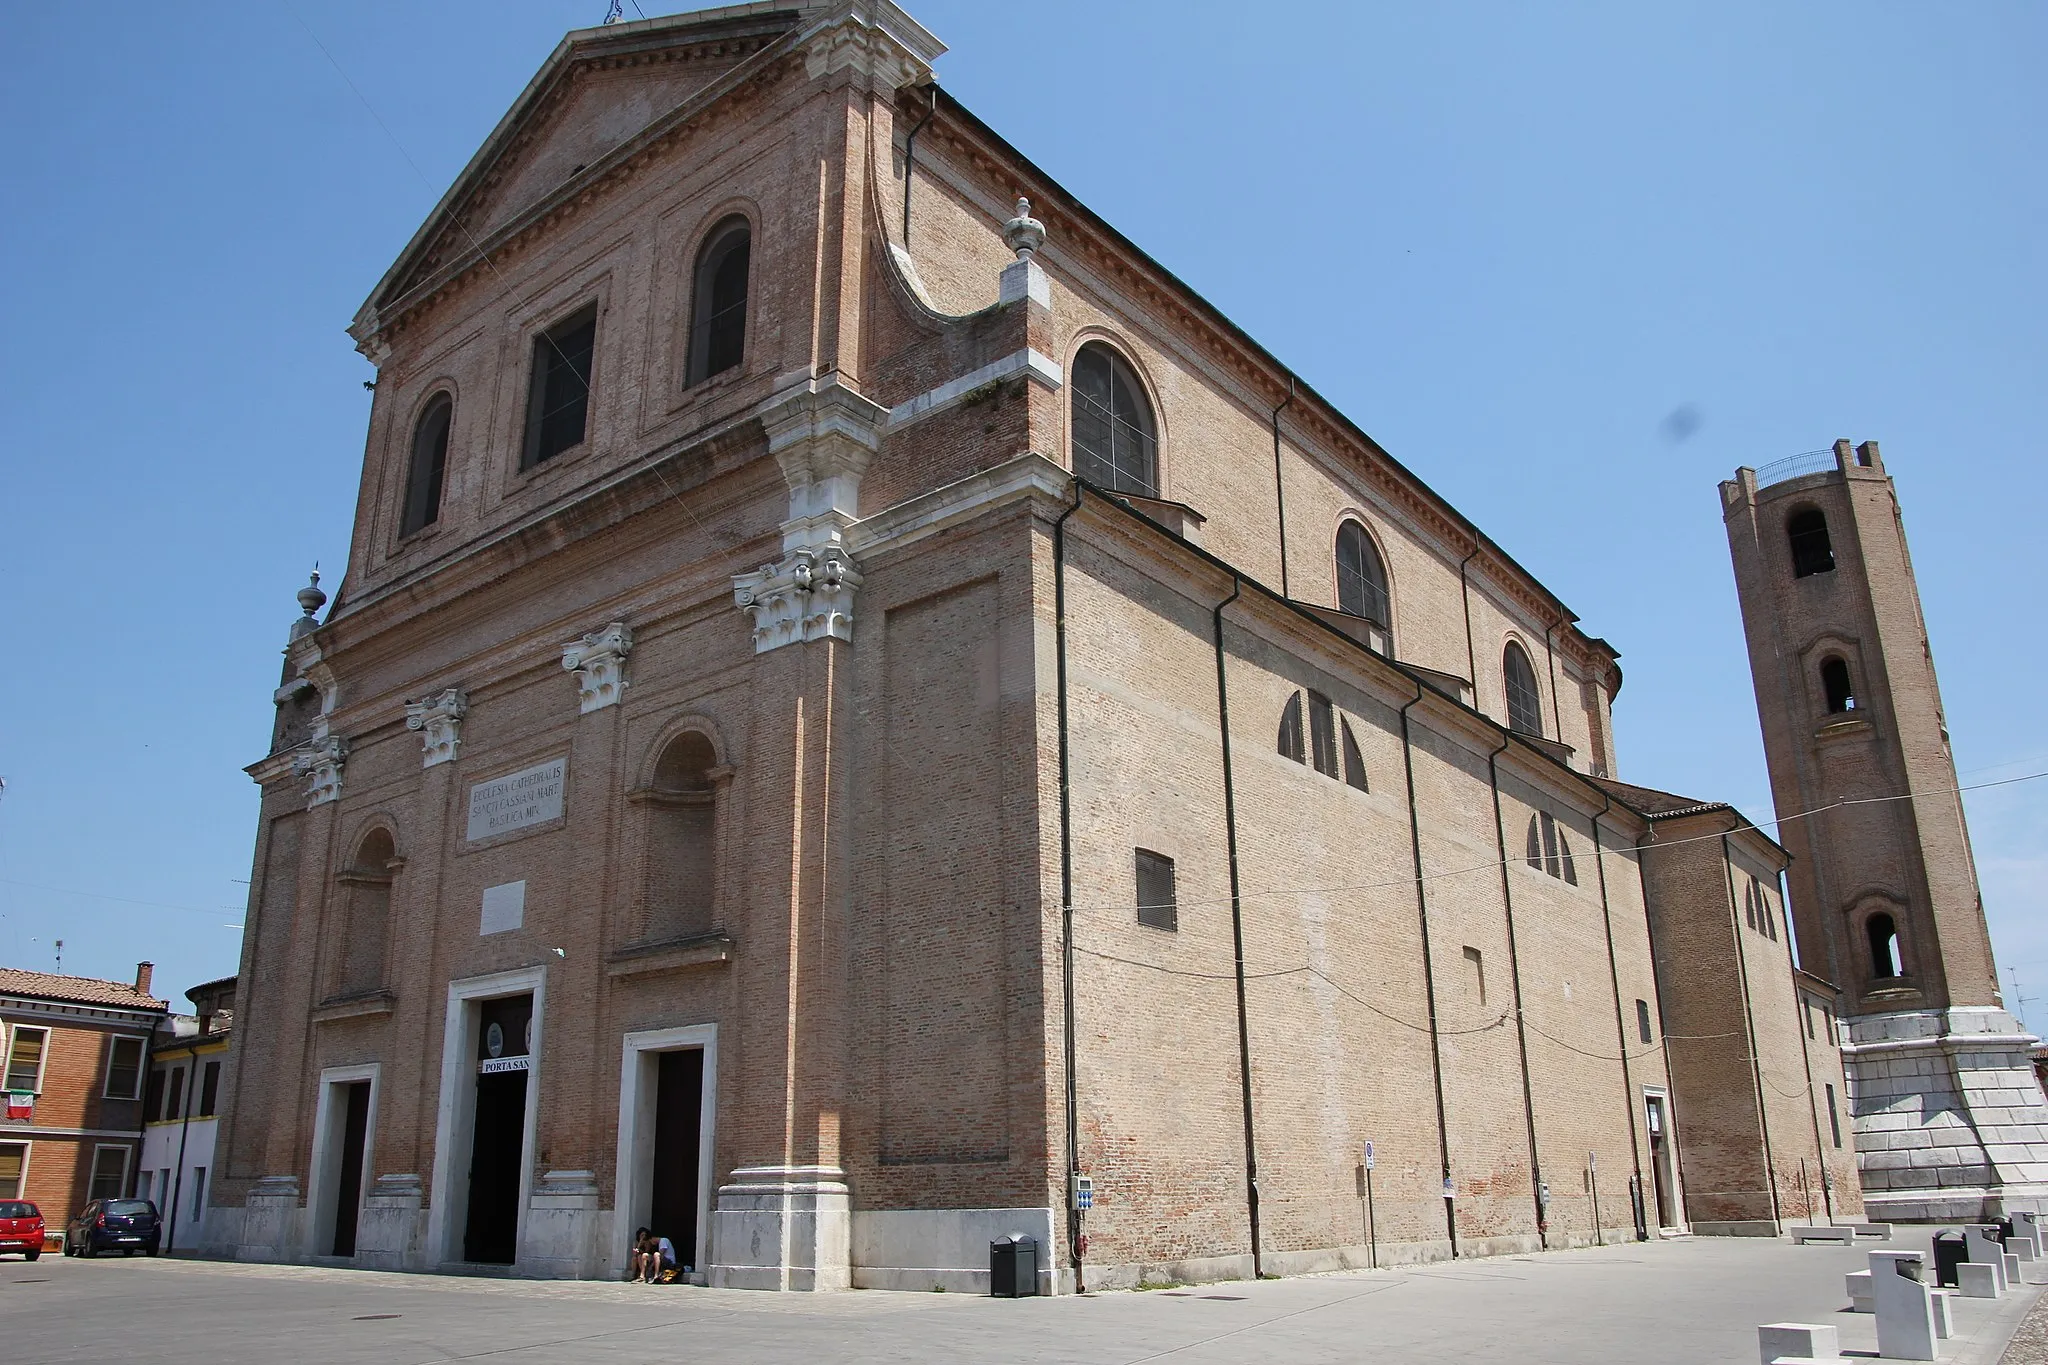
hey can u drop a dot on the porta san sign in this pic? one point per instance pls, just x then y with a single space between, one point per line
531 796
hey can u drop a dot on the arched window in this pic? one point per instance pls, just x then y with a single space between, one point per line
1115 441
1354 761
1812 552
1884 946
429 465
367 920
1525 702
1535 846
1834 681
1361 577
718 318
1549 851
680 894
1292 742
1564 857
1749 905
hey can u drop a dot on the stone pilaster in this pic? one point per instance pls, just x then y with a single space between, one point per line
1951 1124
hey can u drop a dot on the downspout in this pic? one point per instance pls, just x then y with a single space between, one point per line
1556 715
1436 1058
1059 597
1679 1195
1628 1086
909 159
1280 488
185 1135
1465 596
1244 1046
1507 899
1756 1063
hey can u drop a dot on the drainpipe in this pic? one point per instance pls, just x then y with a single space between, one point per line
1556 715
1756 1064
1436 1058
1628 1087
1465 596
1279 488
185 1134
1059 591
909 159
1244 1046
1507 900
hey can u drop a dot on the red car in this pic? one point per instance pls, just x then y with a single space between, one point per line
21 1228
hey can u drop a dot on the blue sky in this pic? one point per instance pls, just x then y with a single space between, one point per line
1510 241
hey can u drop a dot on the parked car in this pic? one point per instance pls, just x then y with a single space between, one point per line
123 1225
21 1228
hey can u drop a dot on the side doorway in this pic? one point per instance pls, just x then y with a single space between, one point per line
667 1113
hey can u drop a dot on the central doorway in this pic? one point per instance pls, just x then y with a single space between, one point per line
498 1137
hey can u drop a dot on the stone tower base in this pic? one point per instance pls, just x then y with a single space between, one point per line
1951 1124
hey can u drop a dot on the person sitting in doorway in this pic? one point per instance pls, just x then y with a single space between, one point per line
654 1258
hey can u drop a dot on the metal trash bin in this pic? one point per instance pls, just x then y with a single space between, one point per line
1950 1251
1013 1267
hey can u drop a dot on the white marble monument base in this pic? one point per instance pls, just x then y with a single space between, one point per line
391 1224
1950 1121
782 1227
271 1221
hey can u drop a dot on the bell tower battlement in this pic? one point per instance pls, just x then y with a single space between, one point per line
1884 891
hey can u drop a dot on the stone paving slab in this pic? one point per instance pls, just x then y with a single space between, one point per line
1688 1302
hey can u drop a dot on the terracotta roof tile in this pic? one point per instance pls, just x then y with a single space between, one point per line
76 990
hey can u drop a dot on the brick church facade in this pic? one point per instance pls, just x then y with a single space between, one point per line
859 703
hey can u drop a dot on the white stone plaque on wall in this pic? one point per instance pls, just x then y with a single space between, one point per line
531 796
504 908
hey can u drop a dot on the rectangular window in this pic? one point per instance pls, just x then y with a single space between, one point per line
198 1193
209 1091
1834 1119
1475 971
558 395
124 1069
1156 906
153 1097
1643 1021
1322 730
109 1173
174 1095
25 1058
1809 1019
13 1169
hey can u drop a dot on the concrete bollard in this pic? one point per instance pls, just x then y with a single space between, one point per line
2011 1262
1804 1340
1859 1291
1944 1321
1904 1309
1975 1280
2023 1246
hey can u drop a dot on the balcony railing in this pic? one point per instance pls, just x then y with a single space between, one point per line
1796 467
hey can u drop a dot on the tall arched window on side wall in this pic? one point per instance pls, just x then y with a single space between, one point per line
1834 681
1115 439
429 465
1884 946
1361 577
1292 744
680 890
1525 702
1812 551
718 310
367 920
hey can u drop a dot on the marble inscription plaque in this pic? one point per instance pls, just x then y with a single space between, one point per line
531 796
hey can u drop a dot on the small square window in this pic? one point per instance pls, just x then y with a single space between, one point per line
1156 906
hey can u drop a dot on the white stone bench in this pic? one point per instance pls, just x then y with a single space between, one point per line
1842 1234
1797 1341
1859 1292
1881 1231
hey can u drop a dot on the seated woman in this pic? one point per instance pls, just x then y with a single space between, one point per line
654 1258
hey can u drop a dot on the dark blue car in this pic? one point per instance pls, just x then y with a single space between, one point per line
123 1225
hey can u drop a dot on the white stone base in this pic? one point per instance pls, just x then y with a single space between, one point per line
567 1236
272 1223
1950 1121
391 1228
927 1249
782 1227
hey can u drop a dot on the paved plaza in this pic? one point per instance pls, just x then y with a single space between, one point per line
1687 1302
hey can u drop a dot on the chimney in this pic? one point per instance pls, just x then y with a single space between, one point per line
142 975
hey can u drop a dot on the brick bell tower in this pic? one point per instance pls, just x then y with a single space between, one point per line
1883 885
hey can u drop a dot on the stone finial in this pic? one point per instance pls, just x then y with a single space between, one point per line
599 662
1024 234
438 718
311 599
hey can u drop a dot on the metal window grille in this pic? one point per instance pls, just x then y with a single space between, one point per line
1156 906
1114 444
1525 702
